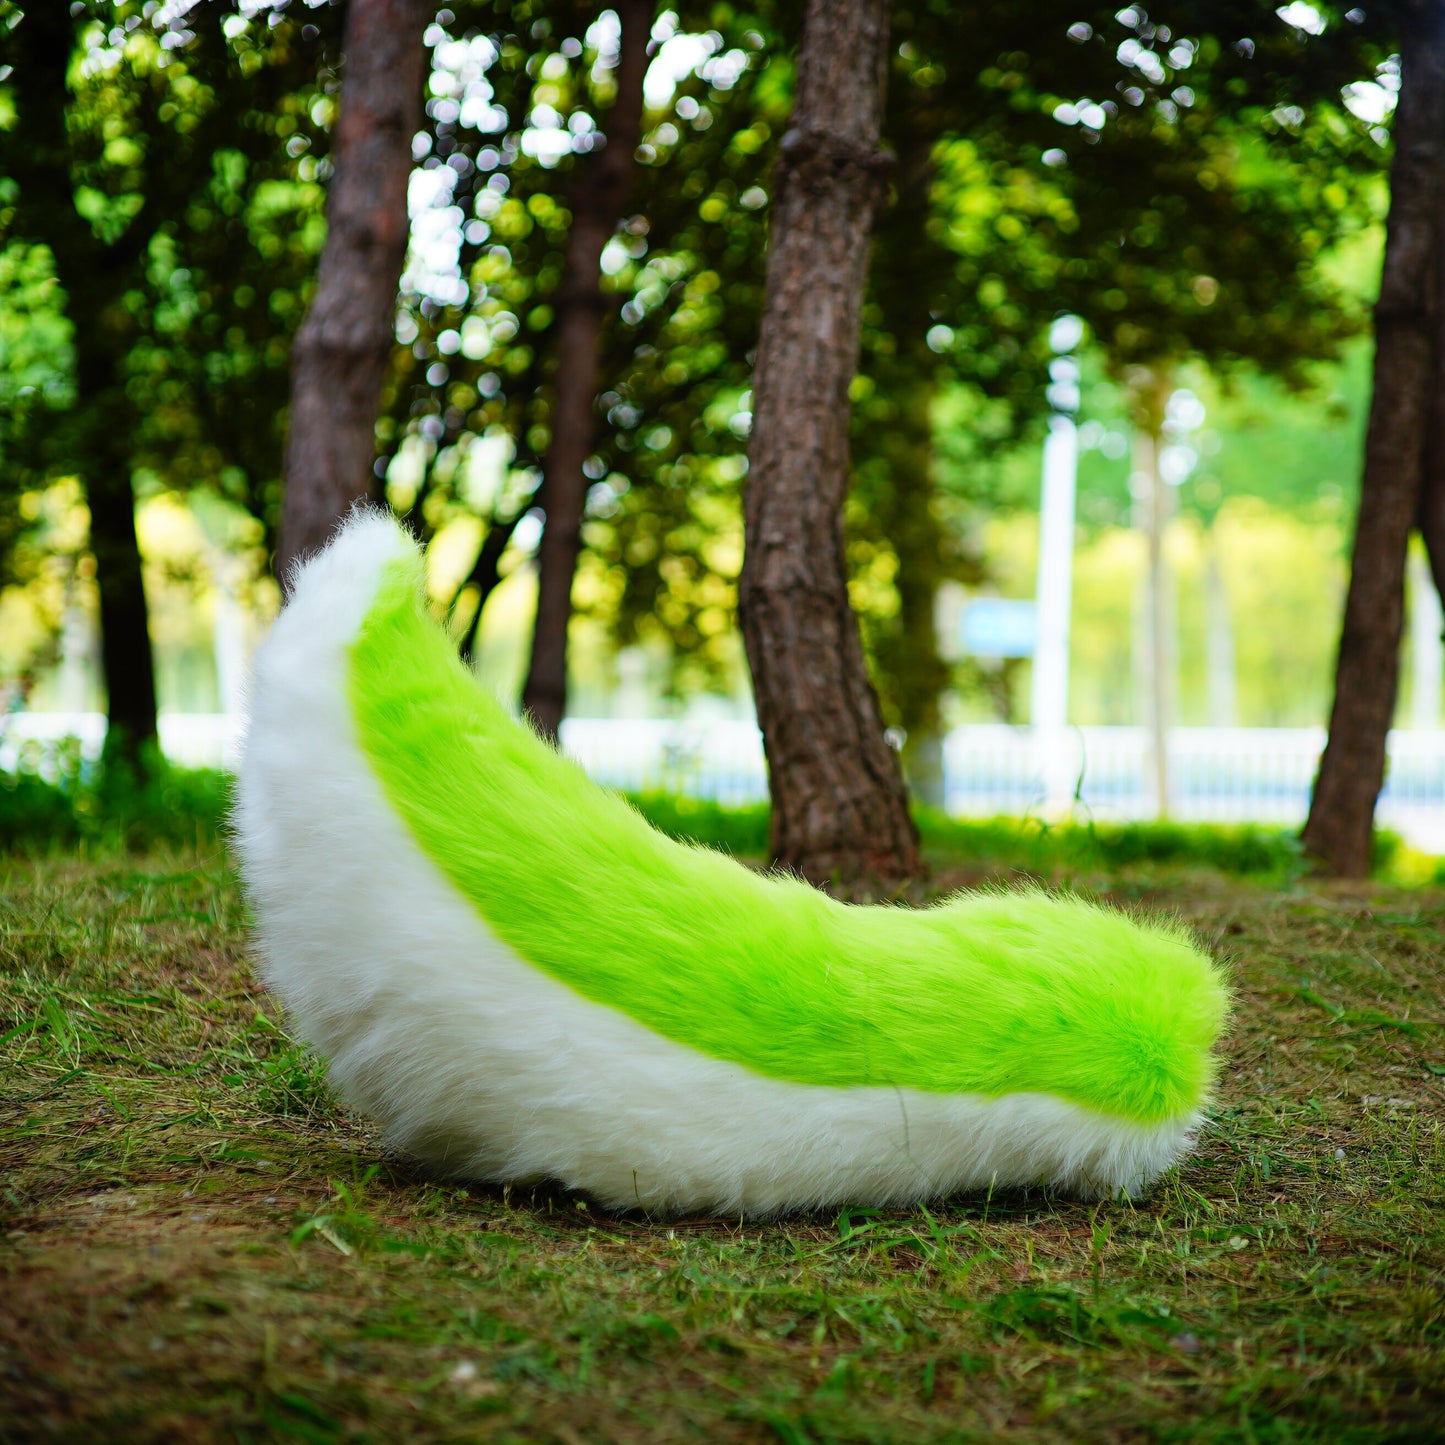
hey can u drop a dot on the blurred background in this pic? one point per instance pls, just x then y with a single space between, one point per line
1108 423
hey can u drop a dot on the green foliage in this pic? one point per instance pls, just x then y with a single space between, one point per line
1182 212
35 812
160 222
56 800
36 366
741 831
36 338
1039 847
1278 580
683 278
1187 191
1297 450
1022 845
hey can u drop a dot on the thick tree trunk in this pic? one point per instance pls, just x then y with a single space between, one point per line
340 355
840 809
1407 322
125 645
1431 514
103 456
102 442
599 202
97 442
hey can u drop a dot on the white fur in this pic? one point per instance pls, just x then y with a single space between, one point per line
486 1067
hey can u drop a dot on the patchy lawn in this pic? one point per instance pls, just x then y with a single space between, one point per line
196 1244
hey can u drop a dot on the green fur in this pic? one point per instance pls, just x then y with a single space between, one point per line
988 994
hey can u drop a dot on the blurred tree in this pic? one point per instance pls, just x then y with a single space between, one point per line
840 810
1187 225
1173 183
665 531
1174 180
153 157
1180 220
897 512
339 360
597 201
521 93
1007 132
1408 370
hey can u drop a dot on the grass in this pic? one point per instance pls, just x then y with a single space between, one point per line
197 1244
1035 845
55 799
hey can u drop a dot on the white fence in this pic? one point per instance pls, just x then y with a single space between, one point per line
1224 775
1217 774
193 740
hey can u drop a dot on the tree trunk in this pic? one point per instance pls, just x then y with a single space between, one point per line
911 655
340 355
599 202
102 454
840 809
125 645
1407 321
1431 513
97 442
486 577
908 668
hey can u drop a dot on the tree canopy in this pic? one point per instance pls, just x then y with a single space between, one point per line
1176 178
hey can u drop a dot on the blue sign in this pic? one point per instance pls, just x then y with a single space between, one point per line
999 627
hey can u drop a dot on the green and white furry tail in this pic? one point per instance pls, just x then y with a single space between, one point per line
520 980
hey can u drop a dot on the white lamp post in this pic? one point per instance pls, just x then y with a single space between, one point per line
1049 703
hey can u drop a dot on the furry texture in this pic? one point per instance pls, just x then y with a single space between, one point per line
520 980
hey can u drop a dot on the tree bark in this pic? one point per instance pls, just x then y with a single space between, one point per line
125 646
1407 323
96 442
840 809
340 354
1431 516
1431 513
598 202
